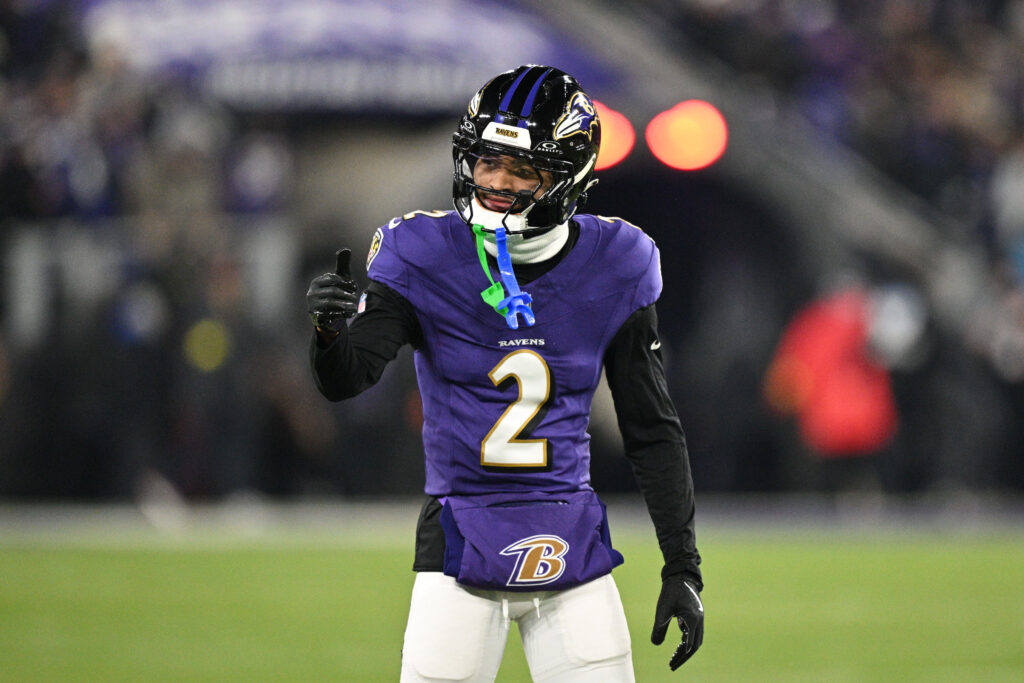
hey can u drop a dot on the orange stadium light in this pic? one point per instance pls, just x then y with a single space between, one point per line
617 137
689 136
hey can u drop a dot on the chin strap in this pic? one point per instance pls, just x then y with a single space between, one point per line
517 302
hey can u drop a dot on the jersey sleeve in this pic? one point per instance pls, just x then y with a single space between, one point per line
406 245
384 262
633 264
648 287
637 261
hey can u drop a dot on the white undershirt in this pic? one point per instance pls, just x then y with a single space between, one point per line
520 250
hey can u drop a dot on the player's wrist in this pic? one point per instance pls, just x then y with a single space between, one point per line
326 336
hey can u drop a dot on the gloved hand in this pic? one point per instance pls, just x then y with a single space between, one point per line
679 598
333 297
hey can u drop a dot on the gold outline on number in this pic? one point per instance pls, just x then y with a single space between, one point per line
519 384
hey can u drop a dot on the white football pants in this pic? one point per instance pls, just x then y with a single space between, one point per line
458 634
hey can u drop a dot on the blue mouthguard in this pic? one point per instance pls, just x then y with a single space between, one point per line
517 301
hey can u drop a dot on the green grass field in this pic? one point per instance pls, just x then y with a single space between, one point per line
329 604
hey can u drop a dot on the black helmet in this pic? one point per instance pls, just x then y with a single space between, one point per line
538 114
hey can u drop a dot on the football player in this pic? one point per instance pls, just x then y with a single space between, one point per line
514 303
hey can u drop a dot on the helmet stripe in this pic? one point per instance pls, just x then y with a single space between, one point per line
528 106
507 100
531 78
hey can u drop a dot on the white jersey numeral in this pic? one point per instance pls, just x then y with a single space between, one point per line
436 213
502 446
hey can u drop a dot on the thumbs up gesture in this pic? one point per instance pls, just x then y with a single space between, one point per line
333 297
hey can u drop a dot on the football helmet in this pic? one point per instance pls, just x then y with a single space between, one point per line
542 117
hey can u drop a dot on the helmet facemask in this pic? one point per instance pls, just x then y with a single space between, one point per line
530 211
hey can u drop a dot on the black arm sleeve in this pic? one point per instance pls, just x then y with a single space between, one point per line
354 360
654 440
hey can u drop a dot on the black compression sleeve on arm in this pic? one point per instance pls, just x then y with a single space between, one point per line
354 360
654 441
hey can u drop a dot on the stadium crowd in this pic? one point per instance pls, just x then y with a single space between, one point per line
151 332
931 93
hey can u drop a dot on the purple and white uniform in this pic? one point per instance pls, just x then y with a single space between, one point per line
512 529
506 414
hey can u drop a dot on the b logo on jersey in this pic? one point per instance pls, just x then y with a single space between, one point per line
580 117
378 237
539 560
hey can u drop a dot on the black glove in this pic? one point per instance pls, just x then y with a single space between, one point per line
333 297
680 599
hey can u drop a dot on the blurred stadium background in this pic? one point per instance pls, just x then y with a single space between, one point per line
843 314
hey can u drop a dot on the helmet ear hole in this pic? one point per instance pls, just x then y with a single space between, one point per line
541 115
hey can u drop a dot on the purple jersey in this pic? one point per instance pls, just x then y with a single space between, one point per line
507 410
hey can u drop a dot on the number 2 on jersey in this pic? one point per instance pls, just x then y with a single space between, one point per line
502 446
